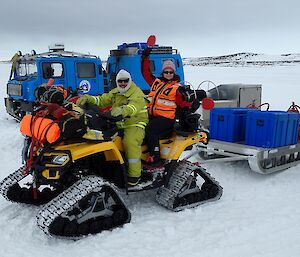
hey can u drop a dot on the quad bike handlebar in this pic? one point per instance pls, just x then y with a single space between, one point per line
101 113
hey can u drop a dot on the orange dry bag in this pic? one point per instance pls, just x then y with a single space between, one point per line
43 129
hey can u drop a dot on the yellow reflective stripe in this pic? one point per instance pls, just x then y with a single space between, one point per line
120 124
97 102
143 123
133 160
133 108
140 125
142 111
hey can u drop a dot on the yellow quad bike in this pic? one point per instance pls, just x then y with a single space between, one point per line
79 182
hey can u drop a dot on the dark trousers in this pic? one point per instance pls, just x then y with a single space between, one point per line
157 127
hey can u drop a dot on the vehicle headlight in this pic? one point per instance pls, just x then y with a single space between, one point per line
60 159
14 89
54 159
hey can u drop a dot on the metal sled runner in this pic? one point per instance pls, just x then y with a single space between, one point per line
261 160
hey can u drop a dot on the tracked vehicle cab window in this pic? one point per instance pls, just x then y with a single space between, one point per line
86 70
27 68
52 70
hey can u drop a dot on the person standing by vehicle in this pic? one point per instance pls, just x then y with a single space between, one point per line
129 101
166 96
14 61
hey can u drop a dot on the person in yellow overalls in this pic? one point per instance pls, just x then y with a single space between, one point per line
128 100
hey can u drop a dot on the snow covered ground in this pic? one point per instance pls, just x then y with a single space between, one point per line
257 216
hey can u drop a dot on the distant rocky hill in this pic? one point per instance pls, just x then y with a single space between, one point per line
238 59
244 59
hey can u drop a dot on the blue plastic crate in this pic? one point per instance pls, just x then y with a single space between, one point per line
228 124
139 45
271 128
293 128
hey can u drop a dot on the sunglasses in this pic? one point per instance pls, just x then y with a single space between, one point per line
168 72
123 80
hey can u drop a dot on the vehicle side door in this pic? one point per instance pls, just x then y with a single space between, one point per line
56 70
86 78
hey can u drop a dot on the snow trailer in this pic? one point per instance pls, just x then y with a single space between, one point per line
240 130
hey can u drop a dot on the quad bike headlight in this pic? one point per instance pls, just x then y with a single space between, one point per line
60 159
54 159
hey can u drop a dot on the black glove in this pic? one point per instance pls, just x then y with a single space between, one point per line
195 105
201 94
146 52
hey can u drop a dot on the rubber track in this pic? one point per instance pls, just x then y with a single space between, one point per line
66 200
166 195
10 180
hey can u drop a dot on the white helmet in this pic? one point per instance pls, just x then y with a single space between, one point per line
123 75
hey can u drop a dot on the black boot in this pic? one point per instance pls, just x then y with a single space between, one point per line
133 181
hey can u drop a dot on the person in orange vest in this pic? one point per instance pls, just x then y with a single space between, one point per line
166 96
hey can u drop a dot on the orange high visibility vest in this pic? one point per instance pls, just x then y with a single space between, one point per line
162 99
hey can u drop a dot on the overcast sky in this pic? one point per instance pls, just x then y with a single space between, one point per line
195 27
